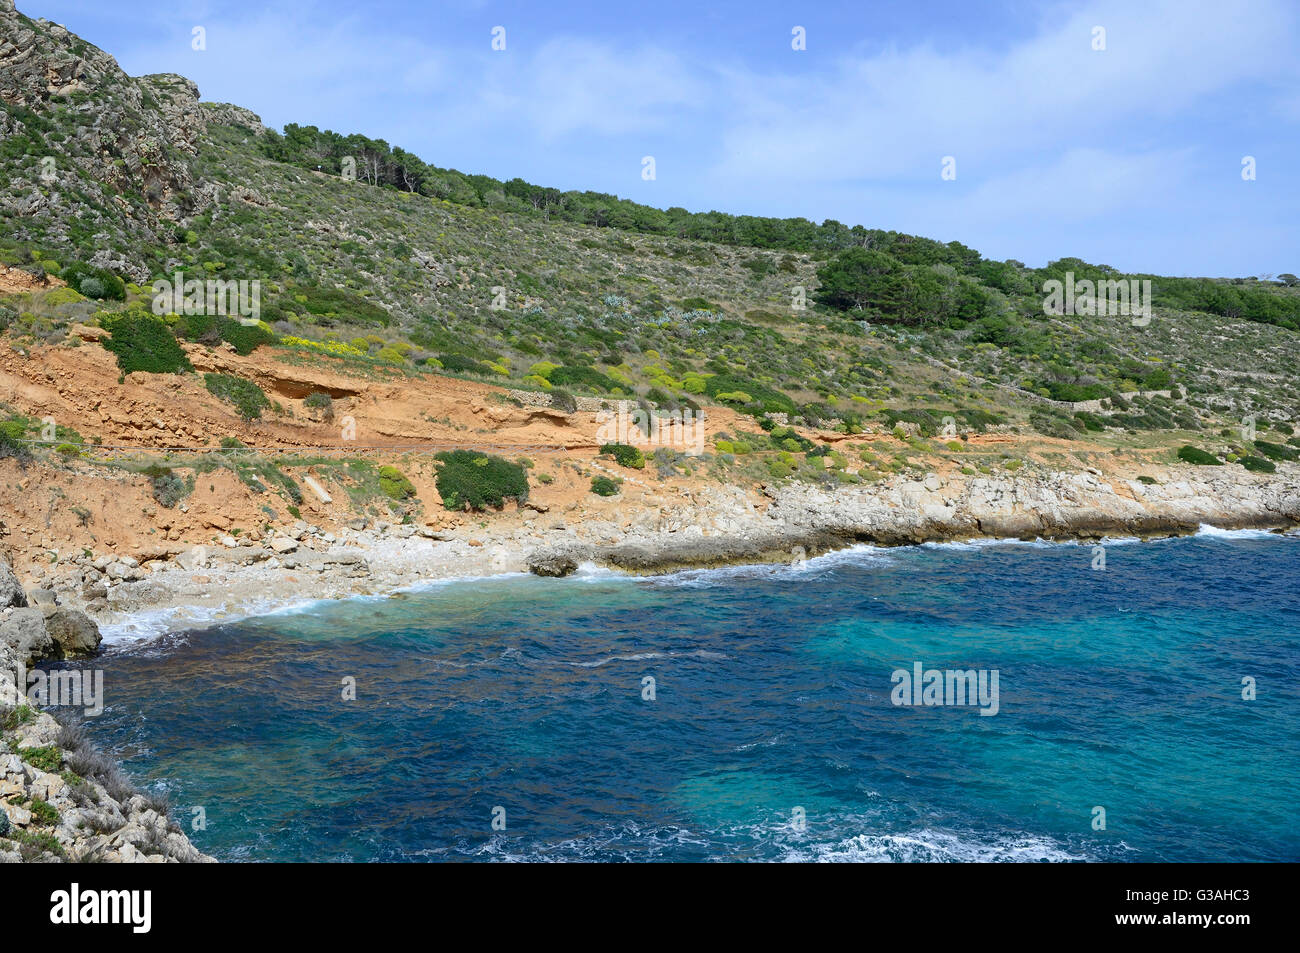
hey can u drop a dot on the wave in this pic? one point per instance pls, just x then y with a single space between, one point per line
644 656
934 846
1206 531
631 841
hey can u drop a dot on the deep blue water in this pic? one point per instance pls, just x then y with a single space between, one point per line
1119 689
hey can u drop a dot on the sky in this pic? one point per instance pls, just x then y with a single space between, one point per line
1117 132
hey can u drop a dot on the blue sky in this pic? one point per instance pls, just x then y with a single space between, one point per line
1129 156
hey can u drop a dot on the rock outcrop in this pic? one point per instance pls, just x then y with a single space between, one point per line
60 799
120 165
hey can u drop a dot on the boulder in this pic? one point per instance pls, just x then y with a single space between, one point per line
551 562
74 633
24 631
194 558
11 593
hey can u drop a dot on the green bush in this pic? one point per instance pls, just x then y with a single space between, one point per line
168 488
1258 465
44 814
144 343
91 287
213 328
563 400
1276 451
584 378
13 433
48 758
247 397
470 480
626 455
109 285
394 484
1190 454
460 364
722 386
321 401
603 486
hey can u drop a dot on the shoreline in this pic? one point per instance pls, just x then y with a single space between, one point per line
729 529
714 528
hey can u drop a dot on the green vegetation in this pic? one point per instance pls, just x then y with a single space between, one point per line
1276 451
144 343
1190 454
1258 464
394 484
212 329
13 433
93 282
322 402
626 455
43 813
16 717
469 480
168 488
46 758
247 397
604 486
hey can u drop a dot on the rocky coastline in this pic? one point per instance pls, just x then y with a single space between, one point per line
92 813
60 798
709 527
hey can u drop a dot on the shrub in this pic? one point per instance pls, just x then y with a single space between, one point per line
247 397
563 400
44 813
1190 454
319 400
13 433
77 273
91 287
470 480
1276 451
460 364
168 488
144 343
1258 464
603 486
772 400
626 455
394 484
582 377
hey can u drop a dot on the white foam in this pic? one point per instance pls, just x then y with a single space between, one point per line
928 845
1215 532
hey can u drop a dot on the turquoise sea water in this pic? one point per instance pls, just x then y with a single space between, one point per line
1118 689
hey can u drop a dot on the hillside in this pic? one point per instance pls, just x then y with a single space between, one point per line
413 310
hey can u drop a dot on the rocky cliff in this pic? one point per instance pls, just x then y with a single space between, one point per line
94 153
